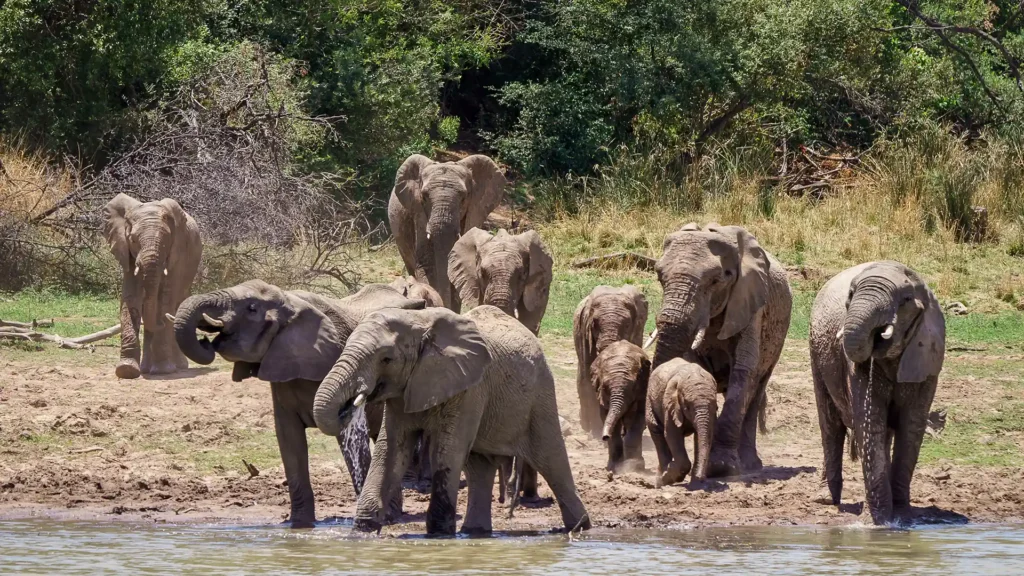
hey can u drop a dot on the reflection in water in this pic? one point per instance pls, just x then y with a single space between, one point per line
49 547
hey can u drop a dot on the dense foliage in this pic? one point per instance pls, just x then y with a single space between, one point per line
552 86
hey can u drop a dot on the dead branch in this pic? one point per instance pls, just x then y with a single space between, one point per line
27 334
633 259
33 324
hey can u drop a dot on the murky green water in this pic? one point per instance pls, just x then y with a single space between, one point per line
63 547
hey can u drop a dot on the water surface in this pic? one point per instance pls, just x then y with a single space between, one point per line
73 547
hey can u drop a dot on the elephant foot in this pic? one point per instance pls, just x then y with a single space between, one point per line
750 461
835 491
672 476
162 368
476 530
127 369
724 463
394 509
366 525
824 496
300 524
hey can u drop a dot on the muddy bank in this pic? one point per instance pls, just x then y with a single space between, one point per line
75 442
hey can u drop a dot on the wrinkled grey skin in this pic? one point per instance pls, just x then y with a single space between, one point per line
431 204
608 314
410 287
290 339
619 376
723 292
158 247
682 399
480 389
886 405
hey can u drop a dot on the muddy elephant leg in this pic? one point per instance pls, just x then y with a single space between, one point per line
391 458
129 366
749 458
870 413
148 339
681 464
291 442
447 455
528 483
615 449
633 443
913 419
662 448
480 471
833 434
725 459
549 458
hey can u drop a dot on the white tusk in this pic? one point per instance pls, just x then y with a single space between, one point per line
651 339
165 271
169 317
698 339
428 235
359 400
887 333
213 321
839 334
136 271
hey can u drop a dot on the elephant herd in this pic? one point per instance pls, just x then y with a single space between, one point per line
448 393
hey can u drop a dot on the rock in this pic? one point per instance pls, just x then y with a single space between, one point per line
38 403
941 475
956 308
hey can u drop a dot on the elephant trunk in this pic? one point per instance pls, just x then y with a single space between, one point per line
499 293
704 424
442 233
150 266
868 318
351 377
680 320
186 322
615 410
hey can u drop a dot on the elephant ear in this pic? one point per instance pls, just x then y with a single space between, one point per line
750 292
640 307
452 359
538 279
926 350
409 180
115 226
485 191
305 348
463 266
178 215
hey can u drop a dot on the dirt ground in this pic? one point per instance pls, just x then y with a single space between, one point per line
76 442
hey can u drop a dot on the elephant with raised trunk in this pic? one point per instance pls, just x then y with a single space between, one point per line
158 247
877 342
608 314
619 377
726 306
682 399
433 203
477 385
290 339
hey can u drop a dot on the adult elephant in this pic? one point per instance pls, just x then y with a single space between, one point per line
158 247
608 314
431 204
877 342
290 339
479 388
726 307
410 287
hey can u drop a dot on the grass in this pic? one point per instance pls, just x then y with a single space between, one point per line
981 440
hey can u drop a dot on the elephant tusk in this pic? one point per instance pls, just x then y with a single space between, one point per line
428 235
213 321
651 339
887 333
839 334
698 339
136 271
359 400
165 271
170 317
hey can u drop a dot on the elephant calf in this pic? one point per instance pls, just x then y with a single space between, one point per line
682 399
619 375
877 343
477 386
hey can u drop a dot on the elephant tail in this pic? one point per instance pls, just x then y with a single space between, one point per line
852 447
762 411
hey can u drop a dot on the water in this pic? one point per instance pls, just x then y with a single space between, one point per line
65 547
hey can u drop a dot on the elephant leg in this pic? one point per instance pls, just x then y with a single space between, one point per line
662 448
680 465
447 455
291 441
528 483
748 440
549 458
177 356
725 458
480 471
833 434
615 449
391 456
913 420
128 366
633 444
870 410
147 350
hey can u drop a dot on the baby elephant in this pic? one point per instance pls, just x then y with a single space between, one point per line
619 375
681 400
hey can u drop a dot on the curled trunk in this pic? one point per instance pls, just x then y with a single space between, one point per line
186 322
350 376
868 312
678 324
704 424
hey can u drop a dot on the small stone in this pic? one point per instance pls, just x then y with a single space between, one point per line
187 427
38 403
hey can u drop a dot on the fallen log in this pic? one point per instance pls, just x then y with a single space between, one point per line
33 324
16 333
620 258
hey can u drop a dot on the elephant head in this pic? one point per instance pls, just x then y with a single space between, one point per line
142 237
705 274
273 334
892 314
422 357
410 287
511 272
446 199
691 399
619 374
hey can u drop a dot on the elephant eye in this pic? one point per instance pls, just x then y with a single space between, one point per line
252 307
386 360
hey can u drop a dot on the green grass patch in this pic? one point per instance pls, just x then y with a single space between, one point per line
73 314
569 288
1005 328
982 440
